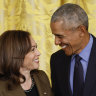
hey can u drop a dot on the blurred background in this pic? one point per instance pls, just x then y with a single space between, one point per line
34 16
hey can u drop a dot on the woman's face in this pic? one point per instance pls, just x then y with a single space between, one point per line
31 60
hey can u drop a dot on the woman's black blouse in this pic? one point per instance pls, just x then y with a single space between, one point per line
32 92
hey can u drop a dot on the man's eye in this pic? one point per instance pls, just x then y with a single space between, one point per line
60 37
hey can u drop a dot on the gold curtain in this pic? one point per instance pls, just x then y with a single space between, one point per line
34 16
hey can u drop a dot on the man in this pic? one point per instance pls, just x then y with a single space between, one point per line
69 24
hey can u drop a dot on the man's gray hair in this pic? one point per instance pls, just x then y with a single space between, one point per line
71 14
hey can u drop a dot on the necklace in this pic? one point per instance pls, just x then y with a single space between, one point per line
33 83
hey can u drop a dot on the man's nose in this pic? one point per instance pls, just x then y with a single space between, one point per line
57 41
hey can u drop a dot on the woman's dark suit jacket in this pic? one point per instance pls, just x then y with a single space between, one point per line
42 83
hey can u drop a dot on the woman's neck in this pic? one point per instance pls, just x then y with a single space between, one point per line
28 82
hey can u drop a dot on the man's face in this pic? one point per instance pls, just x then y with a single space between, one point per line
69 39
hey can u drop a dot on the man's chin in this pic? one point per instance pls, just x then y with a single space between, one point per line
68 53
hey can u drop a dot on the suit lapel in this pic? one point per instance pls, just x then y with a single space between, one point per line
63 74
91 71
38 85
42 89
68 61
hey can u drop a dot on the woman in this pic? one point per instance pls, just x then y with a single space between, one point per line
19 62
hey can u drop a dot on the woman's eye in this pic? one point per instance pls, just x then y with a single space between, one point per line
32 49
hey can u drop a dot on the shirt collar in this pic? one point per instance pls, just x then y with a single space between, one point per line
85 53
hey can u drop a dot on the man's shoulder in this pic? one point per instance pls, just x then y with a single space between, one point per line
59 53
94 42
94 38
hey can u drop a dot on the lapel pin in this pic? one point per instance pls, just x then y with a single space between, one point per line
45 93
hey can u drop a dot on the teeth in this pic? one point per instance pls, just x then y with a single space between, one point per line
36 60
64 46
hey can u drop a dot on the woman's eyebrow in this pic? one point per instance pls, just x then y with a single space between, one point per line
34 45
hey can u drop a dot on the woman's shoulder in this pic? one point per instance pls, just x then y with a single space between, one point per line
39 73
5 91
3 85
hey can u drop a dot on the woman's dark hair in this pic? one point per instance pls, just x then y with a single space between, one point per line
14 45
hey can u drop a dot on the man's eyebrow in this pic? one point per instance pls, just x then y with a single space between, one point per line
57 35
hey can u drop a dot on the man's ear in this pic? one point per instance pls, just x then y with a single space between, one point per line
82 30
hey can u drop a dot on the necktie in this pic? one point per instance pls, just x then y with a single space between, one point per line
78 81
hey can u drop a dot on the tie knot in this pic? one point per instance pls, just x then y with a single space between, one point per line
77 58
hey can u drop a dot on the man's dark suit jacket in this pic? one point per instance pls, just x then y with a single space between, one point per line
60 69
